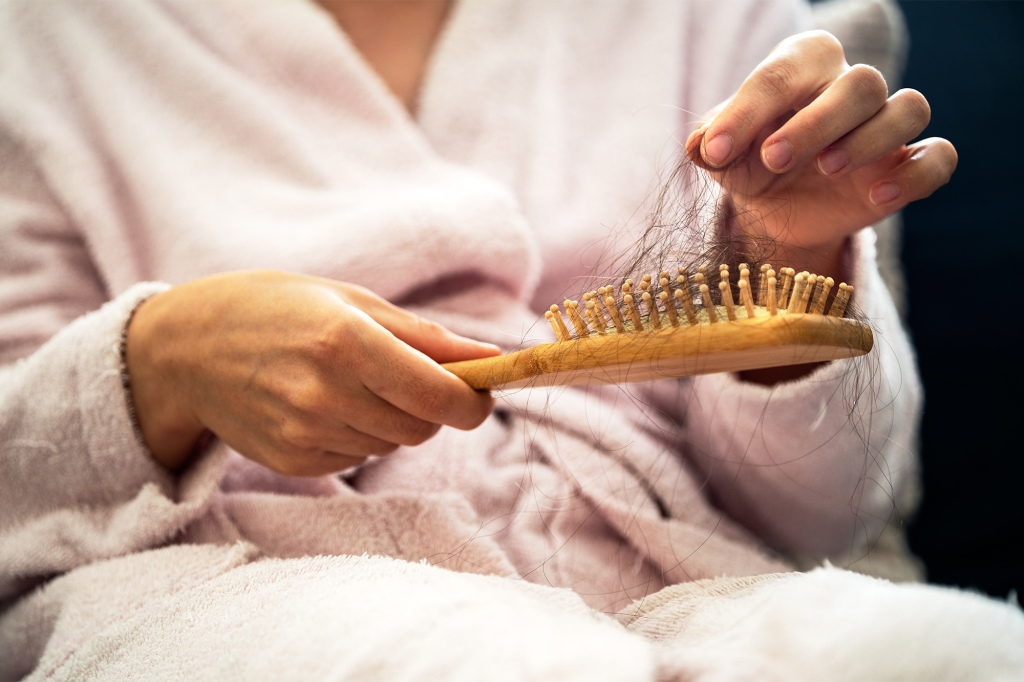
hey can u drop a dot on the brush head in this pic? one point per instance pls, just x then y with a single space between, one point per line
677 328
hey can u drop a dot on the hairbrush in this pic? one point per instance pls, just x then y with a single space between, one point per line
675 327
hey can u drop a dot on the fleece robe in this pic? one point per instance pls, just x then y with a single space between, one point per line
146 144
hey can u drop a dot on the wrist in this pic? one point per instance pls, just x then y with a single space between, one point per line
832 261
161 414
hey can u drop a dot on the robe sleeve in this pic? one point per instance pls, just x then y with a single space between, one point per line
818 467
821 466
76 484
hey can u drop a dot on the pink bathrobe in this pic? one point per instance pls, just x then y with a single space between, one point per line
147 143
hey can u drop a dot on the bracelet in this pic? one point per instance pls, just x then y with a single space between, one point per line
126 379
206 438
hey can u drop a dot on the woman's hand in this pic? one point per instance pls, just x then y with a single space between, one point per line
811 149
307 376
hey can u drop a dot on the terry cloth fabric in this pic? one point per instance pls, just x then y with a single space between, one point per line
149 143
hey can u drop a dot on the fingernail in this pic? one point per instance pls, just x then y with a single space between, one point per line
884 192
717 149
778 155
832 161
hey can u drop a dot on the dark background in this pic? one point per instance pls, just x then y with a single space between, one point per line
963 250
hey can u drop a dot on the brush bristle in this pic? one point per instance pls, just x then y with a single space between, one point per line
662 302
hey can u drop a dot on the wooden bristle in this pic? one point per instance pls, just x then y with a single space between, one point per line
730 305
599 296
606 309
787 282
645 289
799 283
745 274
670 307
805 295
588 313
745 297
682 284
555 318
726 290
821 296
709 305
613 308
683 298
572 308
658 302
631 310
838 308
652 310
761 284
554 325
591 314
819 284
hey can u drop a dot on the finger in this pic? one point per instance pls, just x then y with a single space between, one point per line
853 99
413 383
319 462
902 118
350 420
432 339
929 164
296 450
427 336
796 71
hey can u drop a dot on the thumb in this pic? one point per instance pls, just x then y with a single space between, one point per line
434 340
430 338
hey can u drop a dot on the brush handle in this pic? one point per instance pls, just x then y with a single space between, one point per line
725 346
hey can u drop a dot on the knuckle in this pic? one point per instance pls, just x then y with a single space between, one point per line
427 327
830 46
819 45
435 403
298 436
822 128
308 397
745 121
827 42
824 42
333 339
779 78
486 406
419 432
868 83
381 448
917 106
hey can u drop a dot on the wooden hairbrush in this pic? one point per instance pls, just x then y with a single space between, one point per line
676 329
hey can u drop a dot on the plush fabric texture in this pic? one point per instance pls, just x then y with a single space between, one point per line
149 143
